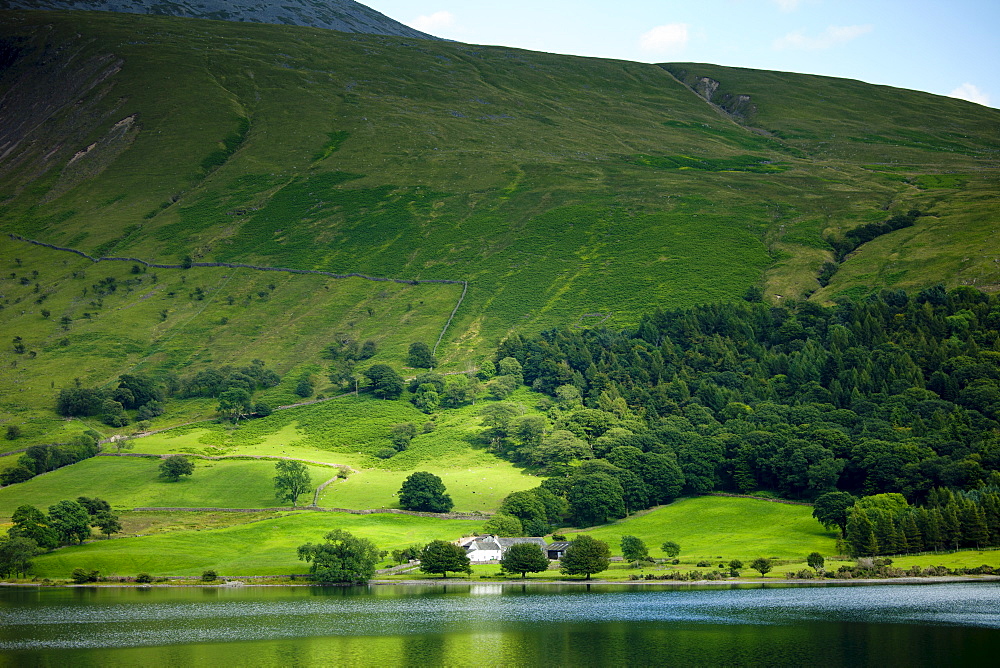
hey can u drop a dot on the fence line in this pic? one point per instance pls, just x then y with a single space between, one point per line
239 265
351 511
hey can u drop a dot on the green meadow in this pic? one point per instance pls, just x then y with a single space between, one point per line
130 482
265 547
715 527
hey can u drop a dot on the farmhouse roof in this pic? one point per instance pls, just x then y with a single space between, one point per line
507 542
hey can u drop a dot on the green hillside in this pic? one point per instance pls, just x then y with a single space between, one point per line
564 190
714 527
183 196
704 527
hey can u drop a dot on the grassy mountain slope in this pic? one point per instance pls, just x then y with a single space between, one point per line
564 190
936 154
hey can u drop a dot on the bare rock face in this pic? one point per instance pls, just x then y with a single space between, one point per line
342 15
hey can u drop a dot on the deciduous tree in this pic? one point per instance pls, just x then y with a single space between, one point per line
425 492
831 509
107 523
634 549
585 556
762 565
442 557
291 480
385 383
671 549
420 356
503 525
15 555
174 466
30 522
342 558
70 521
595 499
524 558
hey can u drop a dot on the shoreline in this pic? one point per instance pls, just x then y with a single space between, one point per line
239 584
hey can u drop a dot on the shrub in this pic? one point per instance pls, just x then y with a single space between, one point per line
209 576
81 576
144 578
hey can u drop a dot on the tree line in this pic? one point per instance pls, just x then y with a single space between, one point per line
144 394
895 393
886 524
66 522
38 459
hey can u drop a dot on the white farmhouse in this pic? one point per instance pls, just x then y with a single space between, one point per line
490 549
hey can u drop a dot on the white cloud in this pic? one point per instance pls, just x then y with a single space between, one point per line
435 21
971 93
787 5
831 37
672 37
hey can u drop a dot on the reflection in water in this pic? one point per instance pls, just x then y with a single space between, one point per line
490 624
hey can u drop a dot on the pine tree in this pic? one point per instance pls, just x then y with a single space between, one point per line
973 523
951 529
860 534
911 533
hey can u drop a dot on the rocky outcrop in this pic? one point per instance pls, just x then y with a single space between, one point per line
342 15
738 106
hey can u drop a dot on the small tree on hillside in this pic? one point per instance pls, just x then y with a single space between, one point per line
385 383
305 387
107 522
423 491
235 403
420 356
815 560
524 558
633 549
585 556
671 549
442 557
292 480
761 565
174 466
401 434
30 522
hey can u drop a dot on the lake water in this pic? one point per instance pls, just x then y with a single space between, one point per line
486 625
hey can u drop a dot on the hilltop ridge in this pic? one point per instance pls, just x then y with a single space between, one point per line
342 15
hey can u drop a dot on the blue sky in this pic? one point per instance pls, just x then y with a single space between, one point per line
947 48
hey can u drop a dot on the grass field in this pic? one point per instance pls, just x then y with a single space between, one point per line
714 528
266 547
346 430
471 489
128 482
728 528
